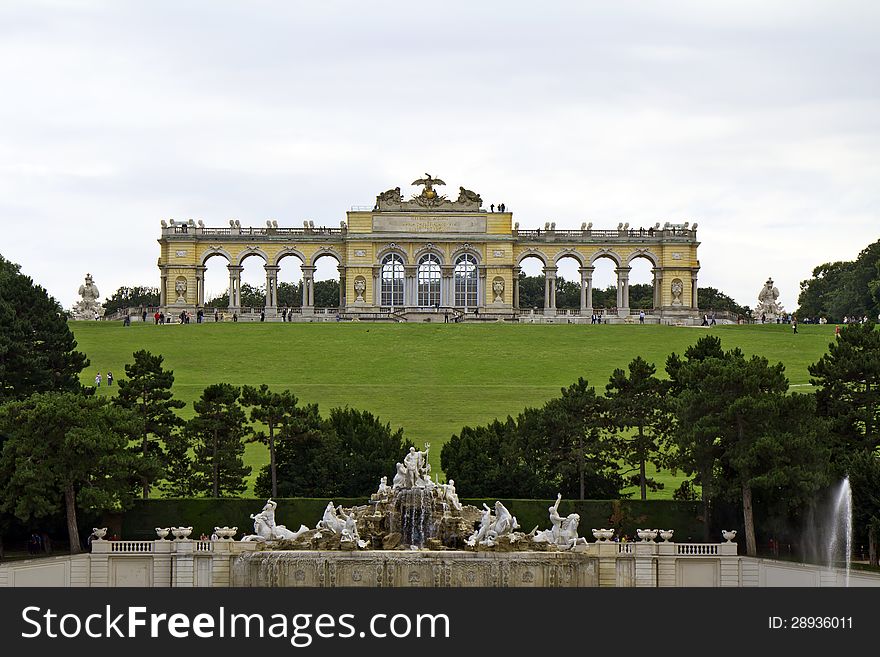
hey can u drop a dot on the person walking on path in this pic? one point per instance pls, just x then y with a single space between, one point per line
109 378
144 316
793 324
98 380
156 318
641 317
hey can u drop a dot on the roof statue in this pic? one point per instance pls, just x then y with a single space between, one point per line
428 199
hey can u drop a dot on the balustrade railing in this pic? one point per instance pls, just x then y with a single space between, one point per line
183 229
685 549
131 546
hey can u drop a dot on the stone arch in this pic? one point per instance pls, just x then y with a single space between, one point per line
326 251
429 249
289 251
647 254
467 249
606 253
249 251
216 251
570 253
532 253
388 250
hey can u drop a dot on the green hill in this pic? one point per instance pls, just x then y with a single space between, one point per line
430 379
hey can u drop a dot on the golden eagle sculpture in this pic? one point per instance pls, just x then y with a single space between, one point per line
429 183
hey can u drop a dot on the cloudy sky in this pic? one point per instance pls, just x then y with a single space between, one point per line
759 120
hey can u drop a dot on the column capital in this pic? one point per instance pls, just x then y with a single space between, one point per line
273 269
308 270
235 268
625 269
586 271
550 271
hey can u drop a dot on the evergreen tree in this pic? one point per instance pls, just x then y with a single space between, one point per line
146 391
847 379
218 430
66 451
179 477
37 350
139 296
276 411
863 469
326 294
637 402
363 447
301 451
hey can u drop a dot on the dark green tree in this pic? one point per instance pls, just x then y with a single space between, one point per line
711 299
327 294
568 294
218 431
303 468
475 459
251 297
863 469
146 391
275 410
638 402
847 381
363 447
290 295
66 451
531 292
694 441
179 475
839 289
37 349
138 296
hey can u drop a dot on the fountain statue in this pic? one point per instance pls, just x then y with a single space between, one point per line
768 307
265 528
563 532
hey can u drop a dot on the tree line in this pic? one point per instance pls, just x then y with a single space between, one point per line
728 422
844 288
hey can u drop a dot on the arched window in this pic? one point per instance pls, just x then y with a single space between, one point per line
466 281
392 280
429 281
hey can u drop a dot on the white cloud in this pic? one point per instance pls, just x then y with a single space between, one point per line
758 121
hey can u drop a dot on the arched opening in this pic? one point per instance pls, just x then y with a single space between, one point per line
641 284
466 279
530 286
568 283
215 282
253 283
392 281
290 285
327 282
604 285
428 281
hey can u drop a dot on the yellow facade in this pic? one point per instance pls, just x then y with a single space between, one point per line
393 261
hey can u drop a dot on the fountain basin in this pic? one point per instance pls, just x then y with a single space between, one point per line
414 568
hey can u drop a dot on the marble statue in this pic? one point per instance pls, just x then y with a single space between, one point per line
467 196
428 199
88 307
180 288
265 528
446 493
563 532
498 289
767 305
330 520
493 526
337 521
360 286
414 471
677 291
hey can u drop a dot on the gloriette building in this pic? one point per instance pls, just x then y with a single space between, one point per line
403 259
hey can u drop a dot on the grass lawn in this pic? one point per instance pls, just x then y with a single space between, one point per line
430 379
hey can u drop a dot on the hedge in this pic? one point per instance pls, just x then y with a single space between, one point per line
203 514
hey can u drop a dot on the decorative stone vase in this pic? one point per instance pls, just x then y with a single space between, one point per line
647 535
180 533
225 533
603 535
666 534
99 533
162 532
728 535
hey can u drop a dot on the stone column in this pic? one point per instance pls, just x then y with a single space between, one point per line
184 564
694 298
234 287
550 290
516 273
377 285
163 284
587 290
200 286
658 287
342 284
272 290
308 305
623 291
481 286
447 285
410 289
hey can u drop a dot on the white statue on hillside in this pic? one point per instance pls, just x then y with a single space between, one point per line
563 532
768 306
414 471
88 307
265 528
